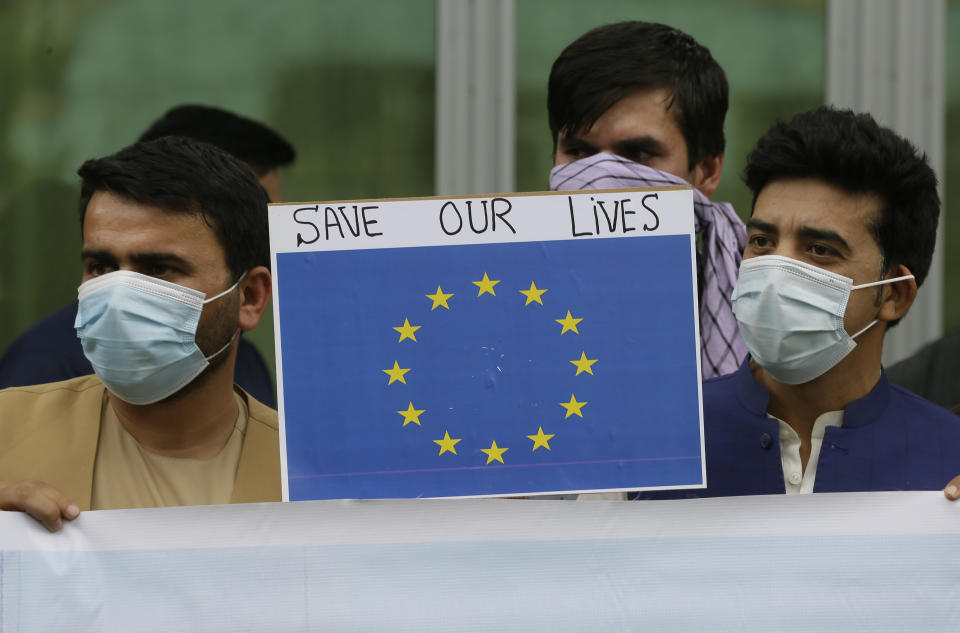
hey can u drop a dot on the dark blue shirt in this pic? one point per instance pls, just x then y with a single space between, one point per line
50 351
891 439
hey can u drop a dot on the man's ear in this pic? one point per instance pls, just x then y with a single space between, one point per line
706 174
256 290
898 296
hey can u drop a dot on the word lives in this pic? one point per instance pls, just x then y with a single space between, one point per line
605 216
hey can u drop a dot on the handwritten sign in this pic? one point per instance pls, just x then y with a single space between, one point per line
505 345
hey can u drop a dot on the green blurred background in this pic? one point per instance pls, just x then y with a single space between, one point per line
351 84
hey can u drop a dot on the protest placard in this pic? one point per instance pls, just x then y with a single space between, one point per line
504 345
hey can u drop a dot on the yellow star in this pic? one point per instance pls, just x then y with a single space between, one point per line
572 407
584 364
440 299
541 439
494 452
411 415
486 285
396 373
533 294
569 324
447 444
407 331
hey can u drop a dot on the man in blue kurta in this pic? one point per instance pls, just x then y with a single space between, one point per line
841 236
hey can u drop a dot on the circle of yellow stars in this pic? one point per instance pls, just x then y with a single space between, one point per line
441 299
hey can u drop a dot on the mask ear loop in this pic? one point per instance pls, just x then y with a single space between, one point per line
235 334
870 285
870 325
231 288
873 283
220 351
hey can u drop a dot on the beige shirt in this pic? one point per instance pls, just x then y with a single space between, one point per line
127 475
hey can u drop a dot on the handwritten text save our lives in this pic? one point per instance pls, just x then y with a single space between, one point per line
603 215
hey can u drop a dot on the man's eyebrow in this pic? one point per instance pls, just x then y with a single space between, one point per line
572 140
159 258
639 144
824 235
760 225
89 253
138 258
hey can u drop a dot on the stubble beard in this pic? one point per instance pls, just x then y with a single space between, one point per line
215 333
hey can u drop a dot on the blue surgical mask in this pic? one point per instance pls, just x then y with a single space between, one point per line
791 316
139 333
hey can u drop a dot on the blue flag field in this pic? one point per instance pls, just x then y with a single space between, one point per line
553 351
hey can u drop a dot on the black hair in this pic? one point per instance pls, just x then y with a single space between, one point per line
183 175
254 143
854 153
609 62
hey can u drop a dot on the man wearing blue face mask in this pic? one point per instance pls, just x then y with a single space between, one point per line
175 267
49 350
841 236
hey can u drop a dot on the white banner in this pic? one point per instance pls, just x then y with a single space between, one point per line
824 562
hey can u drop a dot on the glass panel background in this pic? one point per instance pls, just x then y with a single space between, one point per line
350 89
353 92
951 227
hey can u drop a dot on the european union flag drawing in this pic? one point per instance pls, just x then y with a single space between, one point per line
490 369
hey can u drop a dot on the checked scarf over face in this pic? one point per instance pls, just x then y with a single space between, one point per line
721 233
